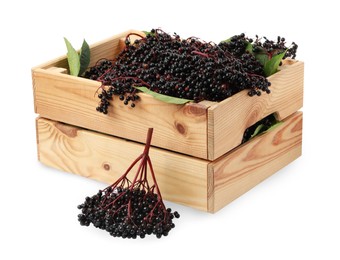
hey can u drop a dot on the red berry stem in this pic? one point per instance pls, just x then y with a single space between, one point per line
136 34
130 208
154 180
201 54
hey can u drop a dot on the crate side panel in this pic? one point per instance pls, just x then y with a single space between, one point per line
182 179
228 119
246 166
181 128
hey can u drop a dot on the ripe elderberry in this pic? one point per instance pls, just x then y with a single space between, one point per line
130 209
185 68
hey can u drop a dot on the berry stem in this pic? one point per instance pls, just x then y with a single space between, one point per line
136 34
154 180
130 209
148 142
201 54
141 167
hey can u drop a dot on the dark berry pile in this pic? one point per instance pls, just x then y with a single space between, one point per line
238 45
127 213
264 125
130 209
183 68
273 47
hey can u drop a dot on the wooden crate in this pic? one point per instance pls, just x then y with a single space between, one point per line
202 184
204 130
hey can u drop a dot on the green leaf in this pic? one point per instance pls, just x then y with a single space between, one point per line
271 66
84 57
227 40
72 58
148 33
249 47
262 58
161 97
257 130
274 126
261 55
263 129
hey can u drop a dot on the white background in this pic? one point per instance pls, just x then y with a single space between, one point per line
292 215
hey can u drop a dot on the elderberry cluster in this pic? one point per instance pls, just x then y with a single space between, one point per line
236 45
120 89
239 45
127 213
183 68
273 47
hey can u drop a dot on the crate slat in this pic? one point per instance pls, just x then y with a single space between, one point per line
182 179
201 184
72 100
249 164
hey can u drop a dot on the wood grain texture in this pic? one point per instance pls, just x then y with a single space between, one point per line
227 120
243 168
72 100
205 130
182 179
197 183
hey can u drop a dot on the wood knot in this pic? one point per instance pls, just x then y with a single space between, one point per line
298 126
106 166
253 117
180 128
277 138
194 109
68 130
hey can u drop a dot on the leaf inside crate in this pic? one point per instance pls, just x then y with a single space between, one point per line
257 130
271 66
148 33
262 58
164 98
84 58
72 58
263 129
274 126
264 125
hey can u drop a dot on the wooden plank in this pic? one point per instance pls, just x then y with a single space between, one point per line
246 166
227 120
182 179
72 100
211 189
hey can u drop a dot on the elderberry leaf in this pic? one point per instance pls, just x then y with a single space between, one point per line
249 47
257 130
72 58
164 98
227 40
148 33
264 129
262 58
276 124
84 57
271 66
